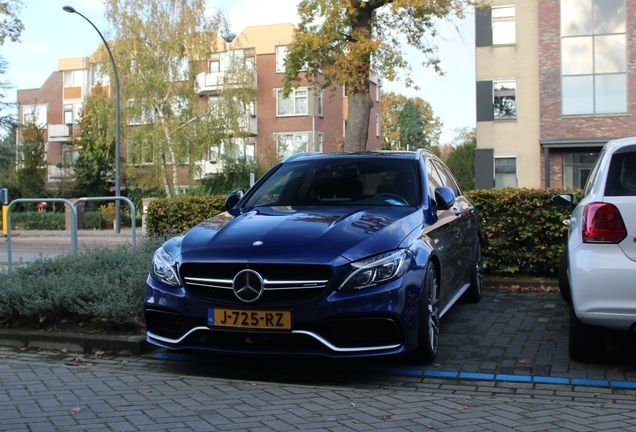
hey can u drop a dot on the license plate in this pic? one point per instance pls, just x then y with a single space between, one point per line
278 320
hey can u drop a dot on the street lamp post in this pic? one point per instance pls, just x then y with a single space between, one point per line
69 9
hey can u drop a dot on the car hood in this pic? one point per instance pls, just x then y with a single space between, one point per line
351 232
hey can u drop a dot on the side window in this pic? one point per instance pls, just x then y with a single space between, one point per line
448 178
434 180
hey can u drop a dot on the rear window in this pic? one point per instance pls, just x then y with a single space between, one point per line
621 178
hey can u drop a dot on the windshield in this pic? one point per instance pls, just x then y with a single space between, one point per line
371 181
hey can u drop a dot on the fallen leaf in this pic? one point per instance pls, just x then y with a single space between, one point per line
522 361
614 370
124 362
99 354
385 388
463 408
147 391
22 348
75 410
386 417
357 422
64 351
352 404
254 384
6 357
79 360
430 427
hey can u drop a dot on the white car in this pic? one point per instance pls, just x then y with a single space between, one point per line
598 268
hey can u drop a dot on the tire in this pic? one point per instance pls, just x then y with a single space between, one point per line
428 323
474 292
587 342
563 275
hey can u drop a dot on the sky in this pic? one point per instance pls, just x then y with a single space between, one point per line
50 34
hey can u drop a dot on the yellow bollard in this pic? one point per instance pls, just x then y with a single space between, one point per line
5 209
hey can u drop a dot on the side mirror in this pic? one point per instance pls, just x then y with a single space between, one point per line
232 199
445 197
566 201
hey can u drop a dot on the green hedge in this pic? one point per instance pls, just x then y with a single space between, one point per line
37 220
166 216
522 231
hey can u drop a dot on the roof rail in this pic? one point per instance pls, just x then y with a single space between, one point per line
297 155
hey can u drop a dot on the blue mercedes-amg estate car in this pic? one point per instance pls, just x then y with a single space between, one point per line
337 255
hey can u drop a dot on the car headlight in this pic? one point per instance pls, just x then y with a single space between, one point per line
377 270
164 268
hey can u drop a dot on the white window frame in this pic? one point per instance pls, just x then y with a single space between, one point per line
516 169
319 97
294 139
37 114
281 54
293 96
502 16
378 125
71 78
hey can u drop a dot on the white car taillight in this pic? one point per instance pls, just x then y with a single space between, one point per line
602 223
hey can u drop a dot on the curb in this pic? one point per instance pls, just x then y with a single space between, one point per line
504 282
75 342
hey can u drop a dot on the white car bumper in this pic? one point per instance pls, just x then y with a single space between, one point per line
603 284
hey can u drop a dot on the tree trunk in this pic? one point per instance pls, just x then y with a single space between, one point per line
357 130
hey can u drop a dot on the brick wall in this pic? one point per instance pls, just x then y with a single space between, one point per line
553 125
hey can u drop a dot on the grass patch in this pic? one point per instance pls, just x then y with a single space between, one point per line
100 289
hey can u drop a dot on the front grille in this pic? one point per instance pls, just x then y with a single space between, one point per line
284 284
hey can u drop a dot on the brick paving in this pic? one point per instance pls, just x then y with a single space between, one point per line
502 366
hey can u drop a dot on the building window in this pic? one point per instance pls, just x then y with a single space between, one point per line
73 78
34 114
290 143
214 64
505 172
504 100
577 168
98 77
295 104
281 53
319 102
503 25
594 57
320 139
378 126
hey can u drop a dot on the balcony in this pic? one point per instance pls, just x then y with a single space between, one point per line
57 174
250 125
211 82
59 132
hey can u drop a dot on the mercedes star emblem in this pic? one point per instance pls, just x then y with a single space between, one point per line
248 286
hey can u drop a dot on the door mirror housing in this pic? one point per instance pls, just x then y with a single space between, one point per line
444 197
232 200
566 201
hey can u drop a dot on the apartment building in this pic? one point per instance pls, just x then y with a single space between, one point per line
307 120
553 81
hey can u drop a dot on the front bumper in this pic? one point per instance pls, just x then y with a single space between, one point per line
376 321
603 286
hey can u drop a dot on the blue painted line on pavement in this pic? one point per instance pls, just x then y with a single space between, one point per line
451 375
590 382
550 380
518 378
479 376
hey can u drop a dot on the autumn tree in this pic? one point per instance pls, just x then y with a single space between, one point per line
95 144
158 44
10 28
31 162
392 106
343 42
461 160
